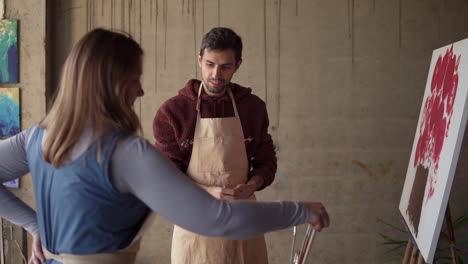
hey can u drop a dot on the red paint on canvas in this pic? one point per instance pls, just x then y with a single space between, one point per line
438 110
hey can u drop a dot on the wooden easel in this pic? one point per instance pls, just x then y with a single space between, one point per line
412 254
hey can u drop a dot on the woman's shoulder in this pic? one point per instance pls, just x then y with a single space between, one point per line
133 144
27 134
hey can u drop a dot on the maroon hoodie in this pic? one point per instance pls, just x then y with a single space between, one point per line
174 126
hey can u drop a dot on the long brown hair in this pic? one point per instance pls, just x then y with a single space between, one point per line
92 92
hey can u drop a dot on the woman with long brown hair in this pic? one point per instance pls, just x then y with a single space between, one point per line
97 182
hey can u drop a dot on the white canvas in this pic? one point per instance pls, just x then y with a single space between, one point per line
436 146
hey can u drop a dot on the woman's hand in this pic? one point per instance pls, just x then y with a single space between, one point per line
318 216
37 256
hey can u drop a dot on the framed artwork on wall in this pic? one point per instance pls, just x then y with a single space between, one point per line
8 51
10 118
436 147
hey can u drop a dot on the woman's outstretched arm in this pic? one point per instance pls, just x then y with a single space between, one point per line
137 167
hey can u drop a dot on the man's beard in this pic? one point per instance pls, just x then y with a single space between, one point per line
215 90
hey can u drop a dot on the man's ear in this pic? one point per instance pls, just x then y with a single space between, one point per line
238 63
200 58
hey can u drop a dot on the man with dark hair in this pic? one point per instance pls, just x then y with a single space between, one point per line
216 132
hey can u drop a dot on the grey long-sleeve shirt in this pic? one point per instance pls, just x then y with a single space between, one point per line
138 168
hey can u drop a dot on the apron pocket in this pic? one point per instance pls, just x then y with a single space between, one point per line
220 154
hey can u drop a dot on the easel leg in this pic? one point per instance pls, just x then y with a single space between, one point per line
421 259
408 250
414 256
451 234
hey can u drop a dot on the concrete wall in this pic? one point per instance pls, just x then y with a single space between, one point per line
32 71
32 66
343 81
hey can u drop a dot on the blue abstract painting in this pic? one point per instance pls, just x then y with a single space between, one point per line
9 112
8 51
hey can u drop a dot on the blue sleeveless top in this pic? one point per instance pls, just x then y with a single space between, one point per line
78 209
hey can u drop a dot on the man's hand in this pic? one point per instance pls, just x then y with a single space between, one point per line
318 216
241 191
246 190
218 192
37 256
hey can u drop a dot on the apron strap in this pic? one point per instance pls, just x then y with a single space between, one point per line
124 256
233 102
202 85
199 97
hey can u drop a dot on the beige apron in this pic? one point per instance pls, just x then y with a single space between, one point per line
123 256
219 159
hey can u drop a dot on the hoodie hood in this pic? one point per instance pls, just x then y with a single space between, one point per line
191 91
